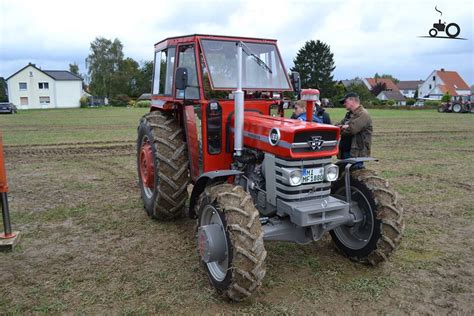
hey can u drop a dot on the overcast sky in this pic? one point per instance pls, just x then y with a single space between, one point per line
365 36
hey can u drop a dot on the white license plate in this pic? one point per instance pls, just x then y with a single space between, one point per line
313 175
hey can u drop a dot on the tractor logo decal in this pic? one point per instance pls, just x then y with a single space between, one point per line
452 30
315 142
274 136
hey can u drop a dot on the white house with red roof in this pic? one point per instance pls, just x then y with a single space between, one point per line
442 81
33 88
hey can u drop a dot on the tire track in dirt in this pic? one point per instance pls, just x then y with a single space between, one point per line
22 153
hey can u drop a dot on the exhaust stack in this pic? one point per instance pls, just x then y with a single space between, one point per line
239 106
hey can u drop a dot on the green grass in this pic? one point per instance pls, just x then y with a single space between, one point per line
70 125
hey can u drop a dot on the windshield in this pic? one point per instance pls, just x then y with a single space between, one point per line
221 59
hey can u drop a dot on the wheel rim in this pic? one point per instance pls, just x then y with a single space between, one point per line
217 269
457 108
147 174
358 235
433 32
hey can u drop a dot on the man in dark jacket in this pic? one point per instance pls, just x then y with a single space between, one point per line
356 129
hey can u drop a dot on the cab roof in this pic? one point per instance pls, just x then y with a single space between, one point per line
170 41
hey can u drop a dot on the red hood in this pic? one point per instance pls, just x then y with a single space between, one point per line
298 139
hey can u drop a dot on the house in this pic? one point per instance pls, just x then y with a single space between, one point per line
408 88
33 88
442 81
392 95
370 83
351 82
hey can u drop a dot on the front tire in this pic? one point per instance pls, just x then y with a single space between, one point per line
377 235
162 165
237 268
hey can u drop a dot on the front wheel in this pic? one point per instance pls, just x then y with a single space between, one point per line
230 241
378 226
433 32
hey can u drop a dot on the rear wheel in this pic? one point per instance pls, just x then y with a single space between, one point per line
230 241
162 165
379 219
453 30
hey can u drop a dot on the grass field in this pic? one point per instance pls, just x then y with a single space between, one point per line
88 247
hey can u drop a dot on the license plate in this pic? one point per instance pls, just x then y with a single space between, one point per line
313 175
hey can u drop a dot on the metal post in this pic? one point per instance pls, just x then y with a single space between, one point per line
347 178
4 198
6 217
239 106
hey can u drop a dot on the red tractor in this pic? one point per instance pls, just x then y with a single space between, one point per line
256 177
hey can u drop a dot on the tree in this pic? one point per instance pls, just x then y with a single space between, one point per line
315 63
74 68
145 77
364 93
3 90
446 97
386 76
379 87
103 65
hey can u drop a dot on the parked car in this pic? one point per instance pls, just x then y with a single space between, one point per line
8 108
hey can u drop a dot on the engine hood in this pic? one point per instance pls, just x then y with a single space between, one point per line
289 138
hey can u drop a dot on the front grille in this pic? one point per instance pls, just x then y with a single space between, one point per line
303 137
301 142
304 191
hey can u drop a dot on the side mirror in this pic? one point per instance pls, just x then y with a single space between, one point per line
181 78
295 81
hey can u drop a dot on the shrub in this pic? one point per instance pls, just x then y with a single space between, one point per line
411 101
391 102
432 104
132 103
120 100
84 101
143 104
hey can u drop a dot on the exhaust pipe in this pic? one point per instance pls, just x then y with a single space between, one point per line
239 106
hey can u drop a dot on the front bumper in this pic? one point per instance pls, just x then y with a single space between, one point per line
327 211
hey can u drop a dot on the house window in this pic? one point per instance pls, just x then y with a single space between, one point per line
23 101
44 100
43 85
22 85
31 73
434 78
430 86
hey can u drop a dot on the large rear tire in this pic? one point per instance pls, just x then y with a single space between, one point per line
457 108
237 266
378 233
162 165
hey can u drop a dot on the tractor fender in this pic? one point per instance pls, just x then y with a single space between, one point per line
203 181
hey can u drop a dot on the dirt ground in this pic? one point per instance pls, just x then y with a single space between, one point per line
87 245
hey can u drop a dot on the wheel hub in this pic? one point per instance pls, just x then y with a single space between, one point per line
146 165
211 241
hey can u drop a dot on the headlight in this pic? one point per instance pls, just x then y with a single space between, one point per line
295 177
332 173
